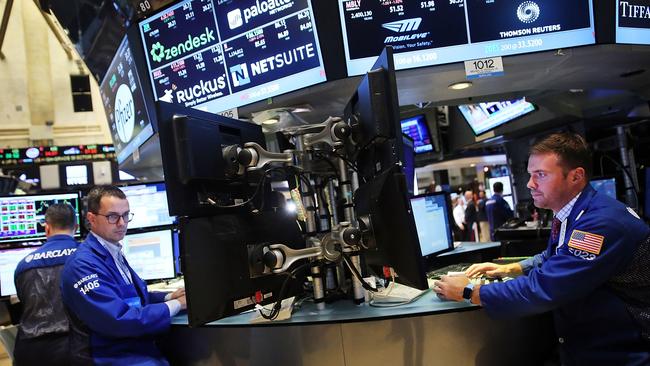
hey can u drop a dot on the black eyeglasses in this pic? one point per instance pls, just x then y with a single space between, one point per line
114 218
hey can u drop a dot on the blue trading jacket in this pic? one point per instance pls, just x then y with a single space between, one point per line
121 319
593 324
498 212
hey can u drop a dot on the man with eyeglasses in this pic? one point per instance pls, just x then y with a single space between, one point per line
114 318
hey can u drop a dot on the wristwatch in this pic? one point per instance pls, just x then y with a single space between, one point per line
467 292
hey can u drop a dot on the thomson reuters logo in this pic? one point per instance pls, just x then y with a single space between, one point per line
528 11
404 25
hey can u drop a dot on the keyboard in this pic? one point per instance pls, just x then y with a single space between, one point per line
437 273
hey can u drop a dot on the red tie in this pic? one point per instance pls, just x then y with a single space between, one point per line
555 229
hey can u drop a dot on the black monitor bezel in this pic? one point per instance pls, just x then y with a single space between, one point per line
448 210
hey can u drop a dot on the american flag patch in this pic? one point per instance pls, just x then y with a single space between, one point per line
588 242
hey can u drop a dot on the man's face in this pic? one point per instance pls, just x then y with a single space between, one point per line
100 225
548 185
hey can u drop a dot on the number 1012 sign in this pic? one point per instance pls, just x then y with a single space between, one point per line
484 67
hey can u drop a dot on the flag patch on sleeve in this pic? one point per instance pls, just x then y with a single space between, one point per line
588 242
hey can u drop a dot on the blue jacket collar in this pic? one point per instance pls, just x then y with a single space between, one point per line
582 203
94 244
59 237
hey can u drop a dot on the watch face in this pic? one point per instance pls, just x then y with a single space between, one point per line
467 292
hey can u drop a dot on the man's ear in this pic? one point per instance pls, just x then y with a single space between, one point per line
48 229
578 175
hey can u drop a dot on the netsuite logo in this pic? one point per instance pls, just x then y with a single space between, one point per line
528 12
161 53
236 19
240 75
403 26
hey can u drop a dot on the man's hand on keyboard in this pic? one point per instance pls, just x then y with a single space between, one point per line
494 270
178 293
450 287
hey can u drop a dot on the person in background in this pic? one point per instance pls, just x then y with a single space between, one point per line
594 273
497 209
114 318
458 212
44 327
433 187
471 217
481 216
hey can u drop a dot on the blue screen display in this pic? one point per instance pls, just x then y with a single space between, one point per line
431 215
148 203
483 117
633 21
425 33
416 128
607 186
218 55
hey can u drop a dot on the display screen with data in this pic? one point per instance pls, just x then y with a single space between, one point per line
431 32
148 203
9 259
416 127
123 101
221 54
431 214
22 218
483 117
150 254
633 21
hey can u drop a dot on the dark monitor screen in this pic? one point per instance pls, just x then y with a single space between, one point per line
219 55
483 117
390 234
605 185
416 127
151 254
9 259
22 217
124 103
432 219
148 203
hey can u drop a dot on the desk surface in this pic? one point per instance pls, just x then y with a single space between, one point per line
343 311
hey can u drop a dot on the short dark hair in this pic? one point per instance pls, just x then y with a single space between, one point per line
571 149
61 216
497 187
98 192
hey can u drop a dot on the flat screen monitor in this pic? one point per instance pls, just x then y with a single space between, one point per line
416 127
505 180
148 203
219 55
632 21
605 185
510 201
22 218
9 259
124 103
76 175
432 220
425 33
483 117
151 254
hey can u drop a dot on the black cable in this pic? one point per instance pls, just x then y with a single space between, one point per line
260 184
275 311
356 273
636 194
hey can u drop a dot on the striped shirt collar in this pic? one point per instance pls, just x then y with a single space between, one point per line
564 212
113 249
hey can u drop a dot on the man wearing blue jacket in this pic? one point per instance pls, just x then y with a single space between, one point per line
44 327
497 209
594 274
109 304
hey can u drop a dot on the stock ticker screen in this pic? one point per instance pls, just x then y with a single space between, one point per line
221 54
123 100
431 32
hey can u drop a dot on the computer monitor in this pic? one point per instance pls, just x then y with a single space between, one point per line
22 218
483 117
605 185
151 254
219 276
432 220
9 259
417 128
388 228
196 173
505 180
373 114
148 203
510 201
77 175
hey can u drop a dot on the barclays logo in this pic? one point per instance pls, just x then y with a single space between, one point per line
528 12
404 25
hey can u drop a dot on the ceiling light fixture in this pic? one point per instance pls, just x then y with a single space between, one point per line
460 85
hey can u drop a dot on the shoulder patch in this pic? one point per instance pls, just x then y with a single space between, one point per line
631 211
587 242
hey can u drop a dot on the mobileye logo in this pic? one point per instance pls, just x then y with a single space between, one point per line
161 53
124 113
528 12
260 7
403 26
202 89
239 75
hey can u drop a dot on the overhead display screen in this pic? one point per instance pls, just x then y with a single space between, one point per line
217 55
432 32
123 100
633 21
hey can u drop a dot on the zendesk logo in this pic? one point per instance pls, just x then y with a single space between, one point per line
404 25
159 52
